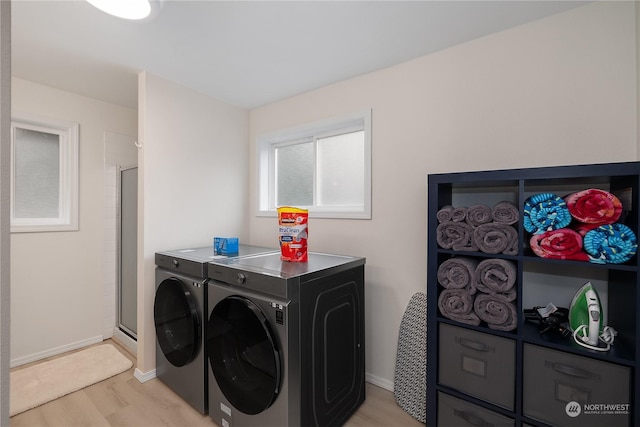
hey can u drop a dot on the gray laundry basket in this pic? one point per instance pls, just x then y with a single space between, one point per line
410 382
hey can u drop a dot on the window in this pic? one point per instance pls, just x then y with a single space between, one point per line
324 167
44 175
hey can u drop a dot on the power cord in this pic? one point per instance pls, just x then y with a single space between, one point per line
607 337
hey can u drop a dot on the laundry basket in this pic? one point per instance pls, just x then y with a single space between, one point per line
410 381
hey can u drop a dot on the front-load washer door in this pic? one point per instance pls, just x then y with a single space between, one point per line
244 355
177 320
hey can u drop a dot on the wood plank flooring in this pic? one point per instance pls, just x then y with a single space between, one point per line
123 401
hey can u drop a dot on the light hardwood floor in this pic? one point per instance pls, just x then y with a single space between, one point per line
123 401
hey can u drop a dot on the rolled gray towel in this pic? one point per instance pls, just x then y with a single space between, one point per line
494 238
445 214
505 213
455 235
458 273
457 304
495 276
459 214
499 313
478 215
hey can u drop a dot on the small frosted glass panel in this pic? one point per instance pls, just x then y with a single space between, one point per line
294 174
341 170
37 174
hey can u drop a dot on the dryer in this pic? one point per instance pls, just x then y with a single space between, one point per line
285 340
180 307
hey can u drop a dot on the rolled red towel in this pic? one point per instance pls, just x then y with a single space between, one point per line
583 228
563 243
594 206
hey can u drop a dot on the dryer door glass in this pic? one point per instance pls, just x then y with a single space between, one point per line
178 326
243 355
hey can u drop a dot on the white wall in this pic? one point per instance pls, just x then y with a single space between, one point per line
192 183
57 277
557 91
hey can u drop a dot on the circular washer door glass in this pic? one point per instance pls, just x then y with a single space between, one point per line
243 355
177 321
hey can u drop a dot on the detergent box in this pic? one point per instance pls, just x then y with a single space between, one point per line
225 245
292 233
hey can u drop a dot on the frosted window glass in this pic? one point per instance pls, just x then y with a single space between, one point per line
37 174
341 170
323 166
294 175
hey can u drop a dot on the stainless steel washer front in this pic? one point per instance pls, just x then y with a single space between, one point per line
248 357
179 322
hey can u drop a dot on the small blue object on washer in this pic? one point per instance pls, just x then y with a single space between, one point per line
225 245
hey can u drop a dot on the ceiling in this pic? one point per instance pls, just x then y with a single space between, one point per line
245 53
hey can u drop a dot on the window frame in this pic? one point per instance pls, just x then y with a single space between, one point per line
68 133
265 155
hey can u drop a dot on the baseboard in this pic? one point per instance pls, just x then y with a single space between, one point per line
54 351
143 377
380 382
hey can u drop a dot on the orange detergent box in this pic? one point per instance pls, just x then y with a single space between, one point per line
292 233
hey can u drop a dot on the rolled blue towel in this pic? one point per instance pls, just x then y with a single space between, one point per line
545 212
610 244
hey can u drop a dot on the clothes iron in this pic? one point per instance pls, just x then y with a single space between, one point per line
585 320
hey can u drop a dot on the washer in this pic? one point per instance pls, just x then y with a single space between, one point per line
285 340
179 309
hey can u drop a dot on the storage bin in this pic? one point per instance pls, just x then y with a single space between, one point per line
453 412
564 389
478 364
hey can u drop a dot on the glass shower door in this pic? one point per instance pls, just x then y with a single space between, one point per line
127 286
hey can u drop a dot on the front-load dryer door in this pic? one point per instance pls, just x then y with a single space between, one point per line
244 355
178 325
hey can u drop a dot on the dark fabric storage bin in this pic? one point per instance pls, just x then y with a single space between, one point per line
474 362
453 412
554 379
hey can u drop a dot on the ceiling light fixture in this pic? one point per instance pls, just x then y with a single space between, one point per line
126 9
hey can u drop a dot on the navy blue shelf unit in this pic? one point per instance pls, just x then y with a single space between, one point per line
474 394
